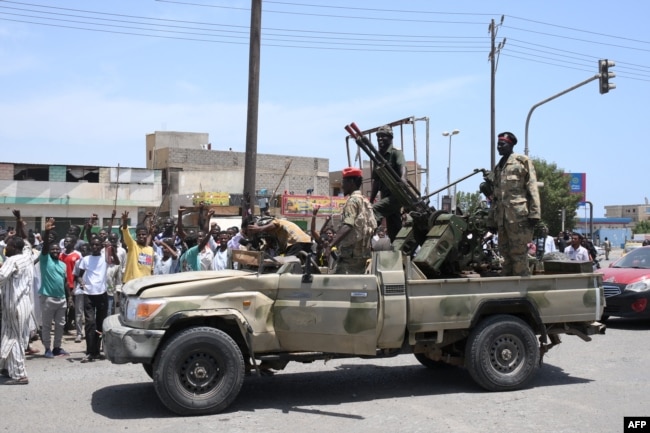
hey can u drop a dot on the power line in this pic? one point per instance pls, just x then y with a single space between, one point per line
547 58
562 65
373 9
120 32
579 30
173 29
356 17
363 47
460 44
244 30
576 39
556 51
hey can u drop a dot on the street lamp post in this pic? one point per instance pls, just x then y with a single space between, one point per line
450 134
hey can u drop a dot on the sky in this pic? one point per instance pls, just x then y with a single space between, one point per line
83 81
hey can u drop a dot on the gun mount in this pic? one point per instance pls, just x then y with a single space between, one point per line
441 244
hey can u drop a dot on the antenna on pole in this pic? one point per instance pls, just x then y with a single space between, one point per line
117 187
494 61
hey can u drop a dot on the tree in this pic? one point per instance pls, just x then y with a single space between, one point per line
642 227
555 195
468 202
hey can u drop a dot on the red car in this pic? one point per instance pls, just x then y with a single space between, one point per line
627 285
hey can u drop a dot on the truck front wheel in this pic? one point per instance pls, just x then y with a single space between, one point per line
199 371
502 353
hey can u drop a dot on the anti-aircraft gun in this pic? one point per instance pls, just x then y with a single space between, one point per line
441 244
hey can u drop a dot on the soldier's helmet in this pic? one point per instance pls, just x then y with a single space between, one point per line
386 129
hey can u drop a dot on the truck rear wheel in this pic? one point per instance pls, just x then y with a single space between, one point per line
502 353
199 371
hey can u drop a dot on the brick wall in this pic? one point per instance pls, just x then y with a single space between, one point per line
304 172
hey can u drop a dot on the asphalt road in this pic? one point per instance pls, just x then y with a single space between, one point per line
581 387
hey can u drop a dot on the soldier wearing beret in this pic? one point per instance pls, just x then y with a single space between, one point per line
358 226
388 206
516 205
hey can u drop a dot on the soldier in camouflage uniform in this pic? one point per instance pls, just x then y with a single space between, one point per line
358 226
516 205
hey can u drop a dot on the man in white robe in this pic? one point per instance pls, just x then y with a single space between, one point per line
16 279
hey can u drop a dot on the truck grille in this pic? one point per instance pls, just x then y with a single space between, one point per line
394 289
611 290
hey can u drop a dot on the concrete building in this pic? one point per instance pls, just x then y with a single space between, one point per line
637 212
190 166
179 167
71 193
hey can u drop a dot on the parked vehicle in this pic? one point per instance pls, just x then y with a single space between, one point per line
627 285
630 246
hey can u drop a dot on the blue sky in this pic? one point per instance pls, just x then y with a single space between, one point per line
83 81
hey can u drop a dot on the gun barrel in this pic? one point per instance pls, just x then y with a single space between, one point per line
406 193
476 170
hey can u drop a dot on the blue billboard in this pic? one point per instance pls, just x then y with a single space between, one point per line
578 184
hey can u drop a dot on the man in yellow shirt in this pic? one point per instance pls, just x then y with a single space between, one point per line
287 233
139 255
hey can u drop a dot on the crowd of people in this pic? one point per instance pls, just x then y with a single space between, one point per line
574 245
51 286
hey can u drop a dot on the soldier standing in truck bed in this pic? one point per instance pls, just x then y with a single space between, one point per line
516 205
357 226
388 206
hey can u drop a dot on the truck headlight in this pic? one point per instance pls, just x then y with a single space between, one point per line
143 309
639 286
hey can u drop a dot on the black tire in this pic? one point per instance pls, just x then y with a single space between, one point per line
430 363
502 353
604 318
148 368
199 371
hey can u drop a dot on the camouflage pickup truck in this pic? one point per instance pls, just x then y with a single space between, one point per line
197 334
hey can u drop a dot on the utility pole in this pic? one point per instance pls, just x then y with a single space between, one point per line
494 51
250 167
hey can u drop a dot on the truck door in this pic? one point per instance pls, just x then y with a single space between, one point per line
333 313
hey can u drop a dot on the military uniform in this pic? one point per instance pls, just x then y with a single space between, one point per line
354 249
388 206
515 201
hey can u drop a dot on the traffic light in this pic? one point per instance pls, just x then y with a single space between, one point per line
605 75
